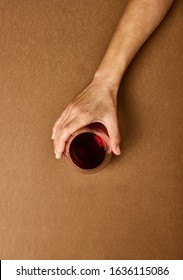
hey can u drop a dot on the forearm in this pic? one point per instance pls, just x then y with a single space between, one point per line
139 20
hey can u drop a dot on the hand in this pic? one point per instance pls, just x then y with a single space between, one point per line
97 103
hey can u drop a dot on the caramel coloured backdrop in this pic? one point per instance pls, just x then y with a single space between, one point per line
132 209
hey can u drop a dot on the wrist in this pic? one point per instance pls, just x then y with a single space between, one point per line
104 76
101 78
111 71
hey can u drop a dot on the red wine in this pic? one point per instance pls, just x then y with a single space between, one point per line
87 150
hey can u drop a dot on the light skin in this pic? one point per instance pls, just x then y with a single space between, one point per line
98 101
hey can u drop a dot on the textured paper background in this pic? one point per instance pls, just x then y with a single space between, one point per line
132 209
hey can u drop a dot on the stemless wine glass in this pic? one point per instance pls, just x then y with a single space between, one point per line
89 148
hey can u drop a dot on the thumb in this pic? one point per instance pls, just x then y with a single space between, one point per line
114 135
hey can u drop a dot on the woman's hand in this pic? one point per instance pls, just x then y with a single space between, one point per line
97 103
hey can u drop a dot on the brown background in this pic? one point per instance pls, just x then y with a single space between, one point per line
132 209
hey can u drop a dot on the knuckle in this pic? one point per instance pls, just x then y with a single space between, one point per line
65 131
70 106
77 109
58 146
57 121
55 128
56 124
85 115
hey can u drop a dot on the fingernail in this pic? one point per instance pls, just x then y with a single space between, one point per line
57 155
118 150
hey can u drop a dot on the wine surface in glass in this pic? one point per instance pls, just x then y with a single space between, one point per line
87 150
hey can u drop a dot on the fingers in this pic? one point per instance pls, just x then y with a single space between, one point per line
67 124
87 108
65 132
61 120
114 135
58 123
55 128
